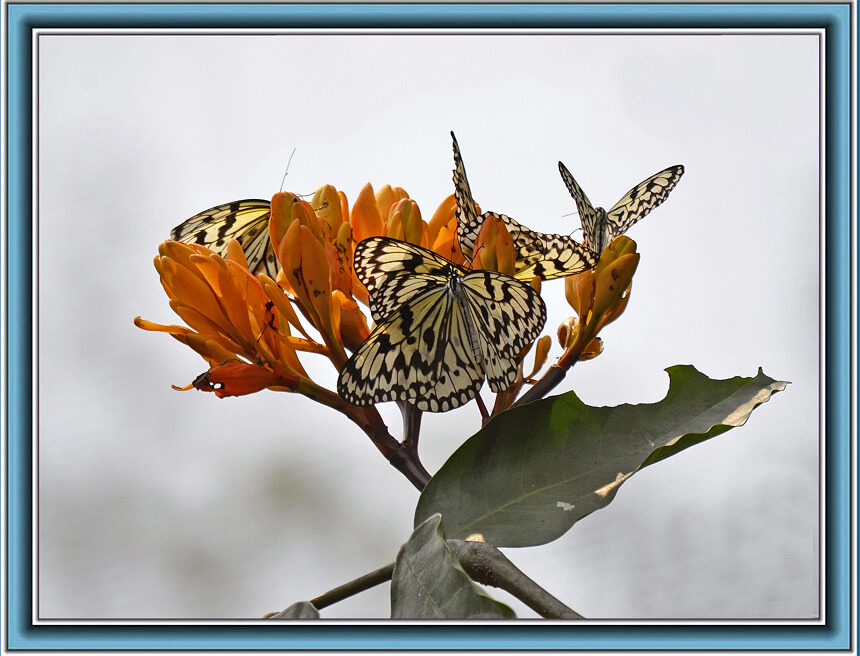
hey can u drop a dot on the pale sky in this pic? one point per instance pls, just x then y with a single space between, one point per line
160 504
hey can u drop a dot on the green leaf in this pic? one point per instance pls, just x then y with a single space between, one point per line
531 473
299 610
429 583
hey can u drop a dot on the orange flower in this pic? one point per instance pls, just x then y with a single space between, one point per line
599 296
230 316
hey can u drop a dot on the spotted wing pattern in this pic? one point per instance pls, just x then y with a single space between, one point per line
601 227
537 253
440 330
247 221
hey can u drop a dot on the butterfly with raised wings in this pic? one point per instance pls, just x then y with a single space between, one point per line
601 227
440 329
537 253
246 221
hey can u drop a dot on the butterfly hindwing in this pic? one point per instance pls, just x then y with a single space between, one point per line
537 254
512 316
247 221
440 329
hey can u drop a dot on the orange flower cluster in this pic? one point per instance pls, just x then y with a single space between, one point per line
250 328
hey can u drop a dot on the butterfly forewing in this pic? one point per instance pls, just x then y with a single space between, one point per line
395 271
247 221
587 214
468 221
439 330
643 198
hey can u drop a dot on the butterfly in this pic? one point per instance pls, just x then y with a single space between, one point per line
601 227
440 328
537 253
247 221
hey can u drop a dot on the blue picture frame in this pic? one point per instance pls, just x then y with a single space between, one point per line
834 19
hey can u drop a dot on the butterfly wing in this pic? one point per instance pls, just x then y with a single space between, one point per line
643 198
468 221
587 214
421 352
537 253
505 315
247 221
395 271
561 256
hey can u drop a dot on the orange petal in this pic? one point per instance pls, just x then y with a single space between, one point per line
327 206
237 378
443 215
365 218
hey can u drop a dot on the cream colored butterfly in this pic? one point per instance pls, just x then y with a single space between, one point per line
601 227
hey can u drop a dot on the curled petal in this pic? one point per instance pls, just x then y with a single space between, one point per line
340 259
353 323
494 247
236 378
579 291
365 218
387 197
444 214
306 267
613 281
566 331
542 347
327 205
405 223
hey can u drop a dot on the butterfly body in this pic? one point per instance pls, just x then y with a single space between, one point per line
440 329
601 226
537 254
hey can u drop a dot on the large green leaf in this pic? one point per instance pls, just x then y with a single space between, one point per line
534 471
429 583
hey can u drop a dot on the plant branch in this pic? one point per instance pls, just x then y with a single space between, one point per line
411 424
403 458
360 584
544 386
486 564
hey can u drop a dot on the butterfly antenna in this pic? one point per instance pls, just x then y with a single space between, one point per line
284 179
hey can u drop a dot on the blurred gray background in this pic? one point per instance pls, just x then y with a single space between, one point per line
154 503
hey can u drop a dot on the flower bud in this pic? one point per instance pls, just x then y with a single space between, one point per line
494 247
365 218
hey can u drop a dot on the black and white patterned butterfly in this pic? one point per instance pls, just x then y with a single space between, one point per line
601 227
537 253
440 329
247 221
